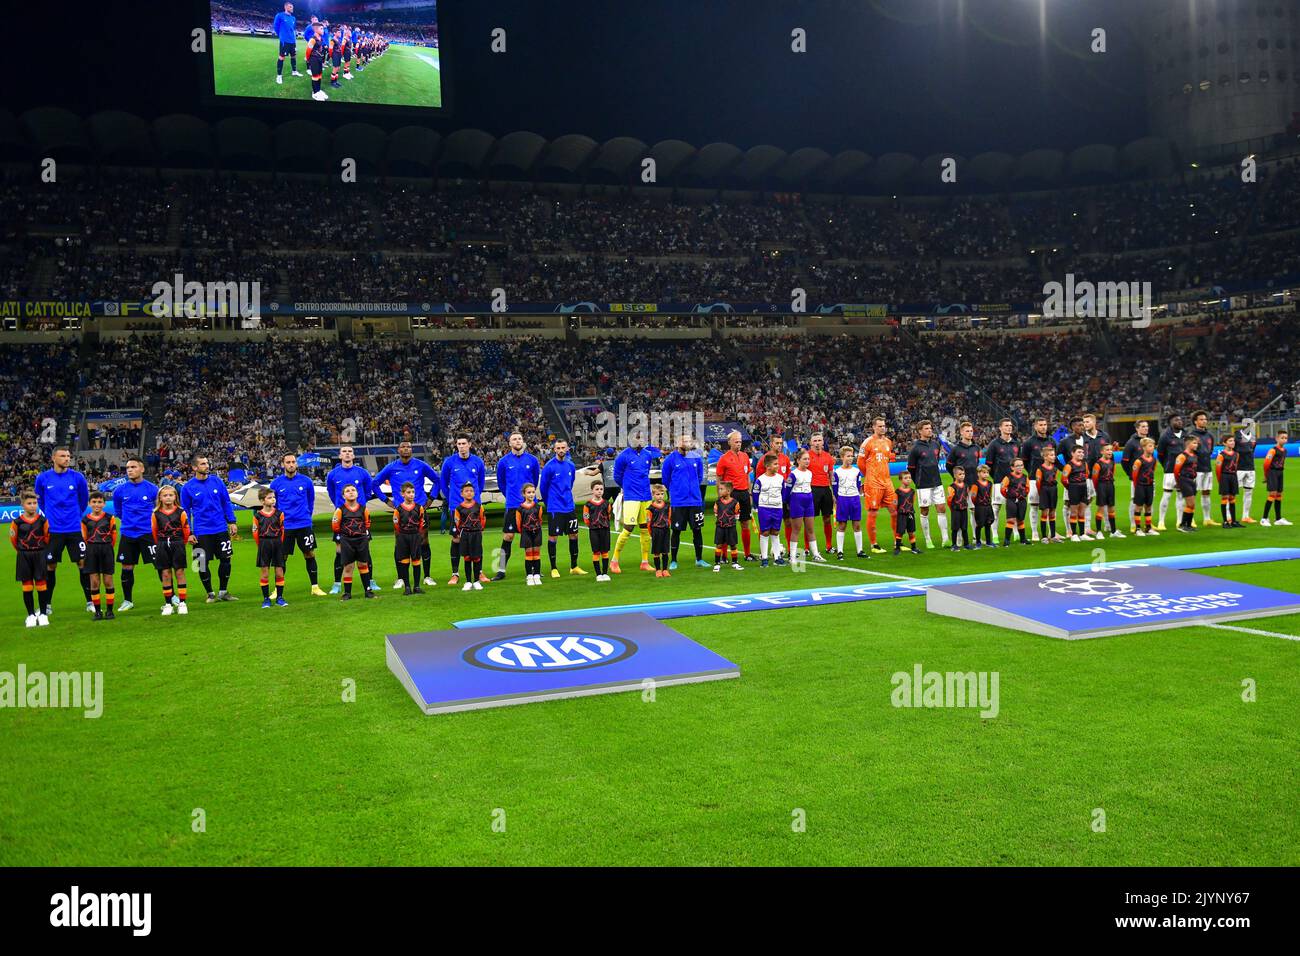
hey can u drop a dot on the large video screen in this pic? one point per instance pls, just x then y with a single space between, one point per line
377 52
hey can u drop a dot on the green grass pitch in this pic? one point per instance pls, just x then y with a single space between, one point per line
238 712
403 76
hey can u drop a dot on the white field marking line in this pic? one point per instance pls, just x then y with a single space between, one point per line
429 60
841 567
1253 630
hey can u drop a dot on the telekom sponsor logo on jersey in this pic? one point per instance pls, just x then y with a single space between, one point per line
657 428
196 299
1098 300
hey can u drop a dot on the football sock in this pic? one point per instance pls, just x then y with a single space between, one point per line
744 537
128 582
365 579
455 558
1111 519
550 551
338 567
826 532
676 542
943 525
573 552
839 541
762 546
505 554
29 601
85 584
313 571
857 538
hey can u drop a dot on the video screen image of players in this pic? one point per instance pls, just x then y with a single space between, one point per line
321 51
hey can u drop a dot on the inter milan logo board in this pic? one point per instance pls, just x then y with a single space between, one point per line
446 671
1075 605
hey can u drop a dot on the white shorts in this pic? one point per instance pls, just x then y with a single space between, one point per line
1092 490
1170 482
926 497
998 499
1205 481
1246 479
1033 493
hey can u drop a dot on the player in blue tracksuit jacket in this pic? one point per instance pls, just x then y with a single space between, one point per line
295 496
632 474
134 501
516 468
212 524
556 490
63 495
683 476
285 27
341 475
397 473
457 470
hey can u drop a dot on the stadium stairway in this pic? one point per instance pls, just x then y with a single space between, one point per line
559 427
292 417
424 405
157 407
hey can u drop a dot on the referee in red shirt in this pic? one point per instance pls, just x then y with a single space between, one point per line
822 464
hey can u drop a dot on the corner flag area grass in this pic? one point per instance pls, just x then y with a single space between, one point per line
238 712
403 76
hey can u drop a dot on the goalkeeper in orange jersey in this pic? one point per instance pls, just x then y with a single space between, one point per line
873 461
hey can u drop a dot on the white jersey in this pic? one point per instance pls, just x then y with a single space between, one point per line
801 482
769 490
848 481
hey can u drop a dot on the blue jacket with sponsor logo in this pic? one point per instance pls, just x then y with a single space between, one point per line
63 499
296 497
134 503
415 471
682 476
456 471
515 471
340 477
207 505
284 27
632 472
556 485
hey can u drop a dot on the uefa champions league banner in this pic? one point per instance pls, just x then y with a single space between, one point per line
851 593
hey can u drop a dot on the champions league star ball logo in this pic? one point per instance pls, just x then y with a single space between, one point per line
1086 587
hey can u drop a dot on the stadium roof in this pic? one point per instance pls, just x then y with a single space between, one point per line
113 137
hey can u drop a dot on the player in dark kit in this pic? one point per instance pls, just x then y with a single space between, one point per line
659 516
596 514
352 522
316 44
1133 451
906 513
408 539
171 529
99 530
982 493
29 533
1032 452
1274 472
1015 495
1246 439
726 513
1103 483
959 504
528 522
1185 475
1143 473
1225 469
269 538
468 523
1046 480
1075 478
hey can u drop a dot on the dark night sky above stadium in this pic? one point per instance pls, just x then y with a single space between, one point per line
879 75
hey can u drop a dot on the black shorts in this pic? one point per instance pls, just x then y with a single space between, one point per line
599 538
170 554
1228 484
356 551
561 522
1047 499
1144 496
1105 495
660 539
213 547
1272 480
746 505
30 566
471 545
99 558
1076 494
508 522
288 49
1016 507
315 64
907 522
691 516
529 540
823 501
70 541
294 538
724 536
408 547
983 516
133 551
1187 488
270 553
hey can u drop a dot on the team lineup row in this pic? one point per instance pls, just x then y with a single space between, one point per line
153 525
